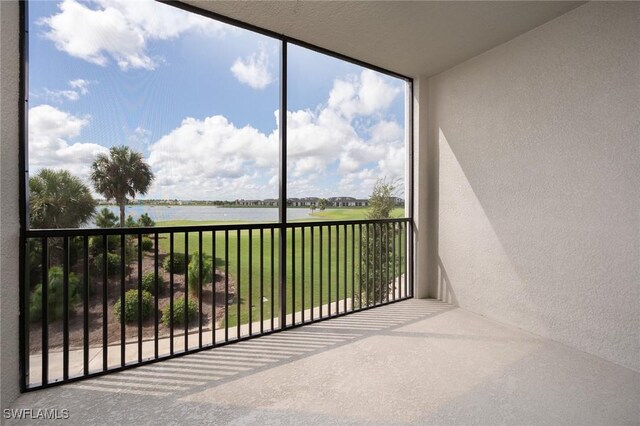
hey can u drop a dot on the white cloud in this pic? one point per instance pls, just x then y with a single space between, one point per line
365 94
50 130
212 158
78 87
81 85
120 30
139 139
253 70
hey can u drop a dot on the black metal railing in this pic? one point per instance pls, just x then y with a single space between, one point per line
101 300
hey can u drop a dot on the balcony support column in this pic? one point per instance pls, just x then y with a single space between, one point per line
425 197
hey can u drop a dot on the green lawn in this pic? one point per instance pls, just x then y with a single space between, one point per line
354 213
333 285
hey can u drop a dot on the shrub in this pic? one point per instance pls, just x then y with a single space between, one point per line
194 272
178 312
131 222
179 264
106 219
148 283
131 306
96 246
113 264
147 244
55 295
146 221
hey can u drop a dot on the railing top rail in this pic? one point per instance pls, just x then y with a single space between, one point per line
80 232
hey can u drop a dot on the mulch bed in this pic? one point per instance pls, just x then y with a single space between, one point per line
76 325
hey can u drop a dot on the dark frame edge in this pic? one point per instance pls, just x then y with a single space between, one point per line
23 153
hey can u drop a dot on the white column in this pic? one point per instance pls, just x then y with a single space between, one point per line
421 194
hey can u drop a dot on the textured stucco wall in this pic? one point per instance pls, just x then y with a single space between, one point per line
9 219
535 145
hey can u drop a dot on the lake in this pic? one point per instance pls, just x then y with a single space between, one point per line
212 213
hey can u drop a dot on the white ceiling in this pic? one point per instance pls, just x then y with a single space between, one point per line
420 38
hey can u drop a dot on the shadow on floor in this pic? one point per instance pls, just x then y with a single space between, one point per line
207 369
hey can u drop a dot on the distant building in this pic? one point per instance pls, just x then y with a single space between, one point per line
347 202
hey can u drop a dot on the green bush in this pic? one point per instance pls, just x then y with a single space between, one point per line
96 246
113 264
178 312
131 306
131 222
194 272
55 295
148 283
147 244
146 221
179 265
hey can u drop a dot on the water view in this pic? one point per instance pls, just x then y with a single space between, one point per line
208 213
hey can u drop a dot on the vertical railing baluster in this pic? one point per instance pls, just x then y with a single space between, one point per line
360 263
367 257
261 280
226 285
321 267
293 275
139 297
24 318
394 259
45 310
200 279
123 332
238 285
171 290
213 288
386 258
381 265
329 271
344 266
186 291
156 287
105 284
408 250
410 271
337 269
312 261
65 308
250 308
373 265
302 270
404 257
272 276
353 267
406 260
85 304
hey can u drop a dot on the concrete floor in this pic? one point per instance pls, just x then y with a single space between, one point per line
419 361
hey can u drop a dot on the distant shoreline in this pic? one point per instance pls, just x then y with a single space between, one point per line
227 206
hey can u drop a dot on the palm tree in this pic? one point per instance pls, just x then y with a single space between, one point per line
120 174
57 199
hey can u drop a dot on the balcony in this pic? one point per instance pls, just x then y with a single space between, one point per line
415 361
508 294
115 298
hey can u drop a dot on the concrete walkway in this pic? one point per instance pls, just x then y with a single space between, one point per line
413 362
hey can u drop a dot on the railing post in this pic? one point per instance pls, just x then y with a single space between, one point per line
282 262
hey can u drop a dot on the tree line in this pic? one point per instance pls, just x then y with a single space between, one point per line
58 199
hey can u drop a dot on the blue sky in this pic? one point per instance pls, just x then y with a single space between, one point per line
199 99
